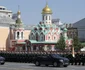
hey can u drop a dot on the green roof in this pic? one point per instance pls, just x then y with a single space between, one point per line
41 42
65 29
18 21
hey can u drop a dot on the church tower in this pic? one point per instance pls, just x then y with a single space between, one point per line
46 15
18 31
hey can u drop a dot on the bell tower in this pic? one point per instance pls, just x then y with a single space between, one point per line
47 15
18 31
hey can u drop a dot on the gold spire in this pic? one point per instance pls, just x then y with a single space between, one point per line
46 10
18 11
18 21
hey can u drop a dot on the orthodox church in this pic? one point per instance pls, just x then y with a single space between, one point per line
18 35
42 37
45 35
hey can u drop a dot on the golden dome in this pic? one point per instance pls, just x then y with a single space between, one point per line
46 10
18 12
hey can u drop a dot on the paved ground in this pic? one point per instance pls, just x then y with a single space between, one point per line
29 66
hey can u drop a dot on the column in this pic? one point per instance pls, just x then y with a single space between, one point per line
31 47
16 35
45 48
52 47
19 35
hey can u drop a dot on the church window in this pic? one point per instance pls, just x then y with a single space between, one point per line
3 8
41 38
22 35
49 37
9 15
41 33
0 8
17 35
43 17
35 28
46 17
40 28
31 33
54 38
36 36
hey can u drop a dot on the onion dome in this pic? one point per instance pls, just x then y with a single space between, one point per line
46 10
65 29
18 21
18 12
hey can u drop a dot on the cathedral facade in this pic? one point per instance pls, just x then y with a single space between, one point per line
45 35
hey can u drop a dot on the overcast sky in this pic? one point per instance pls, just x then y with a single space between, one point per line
68 11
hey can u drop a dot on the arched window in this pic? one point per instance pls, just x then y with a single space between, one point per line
54 38
40 29
31 33
32 36
37 36
9 15
49 17
22 35
46 17
41 36
17 35
35 29
49 37
43 17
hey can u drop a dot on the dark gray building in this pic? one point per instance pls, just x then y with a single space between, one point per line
80 25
